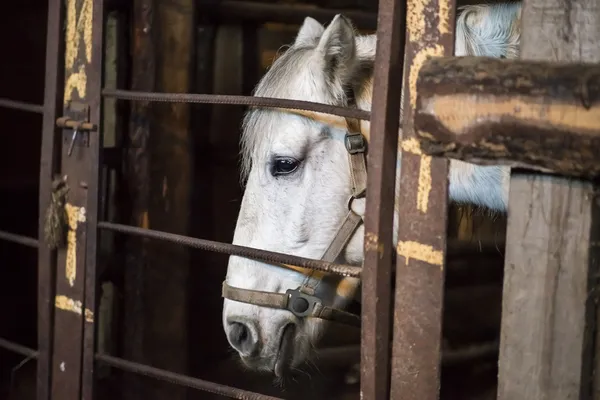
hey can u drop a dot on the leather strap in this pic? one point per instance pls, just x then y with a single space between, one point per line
282 301
343 235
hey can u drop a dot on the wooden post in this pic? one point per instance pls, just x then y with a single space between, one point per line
159 181
549 301
136 181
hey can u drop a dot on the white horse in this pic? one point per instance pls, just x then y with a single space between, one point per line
298 182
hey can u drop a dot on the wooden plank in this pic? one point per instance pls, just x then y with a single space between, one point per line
542 115
551 263
422 228
136 199
166 281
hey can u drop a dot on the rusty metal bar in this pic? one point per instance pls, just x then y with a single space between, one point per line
236 11
20 239
71 312
93 183
240 251
49 160
379 216
423 202
237 100
179 379
20 105
66 122
18 348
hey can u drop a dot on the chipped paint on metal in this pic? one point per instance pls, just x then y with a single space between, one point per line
415 21
372 243
67 304
435 50
459 112
444 17
421 252
424 188
411 145
78 28
75 215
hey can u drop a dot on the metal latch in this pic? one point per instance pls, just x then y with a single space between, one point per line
78 121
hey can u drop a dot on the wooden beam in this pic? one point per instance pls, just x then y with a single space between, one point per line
539 114
552 255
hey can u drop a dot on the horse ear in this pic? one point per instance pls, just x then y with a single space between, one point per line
338 45
309 32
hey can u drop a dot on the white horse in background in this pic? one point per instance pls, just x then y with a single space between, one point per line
298 177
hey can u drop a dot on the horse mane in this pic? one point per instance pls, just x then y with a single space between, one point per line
491 30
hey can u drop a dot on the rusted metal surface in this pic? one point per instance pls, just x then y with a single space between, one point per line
421 249
182 380
19 105
379 215
50 153
66 122
19 349
241 11
241 251
71 311
92 186
20 239
237 100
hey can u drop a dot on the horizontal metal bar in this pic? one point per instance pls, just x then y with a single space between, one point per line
20 105
180 379
20 239
268 102
232 11
235 250
17 348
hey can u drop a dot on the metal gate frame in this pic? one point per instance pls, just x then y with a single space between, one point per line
66 350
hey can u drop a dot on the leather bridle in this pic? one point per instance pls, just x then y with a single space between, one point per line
302 301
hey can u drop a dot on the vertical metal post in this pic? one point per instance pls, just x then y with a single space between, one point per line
83 51
48 166
94 99
383 144
421 249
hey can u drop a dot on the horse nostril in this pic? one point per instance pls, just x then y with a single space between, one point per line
242 339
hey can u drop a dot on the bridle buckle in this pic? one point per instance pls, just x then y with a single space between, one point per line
301 304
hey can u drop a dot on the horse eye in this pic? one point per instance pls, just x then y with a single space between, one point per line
284 166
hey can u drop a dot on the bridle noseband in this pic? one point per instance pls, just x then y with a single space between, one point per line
302 301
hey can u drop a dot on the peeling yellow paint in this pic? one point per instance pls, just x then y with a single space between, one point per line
444 17
75 215
459 112
424 189
415 19
411 145
78 28
372 243
76 81
66 304
419 59
421 252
